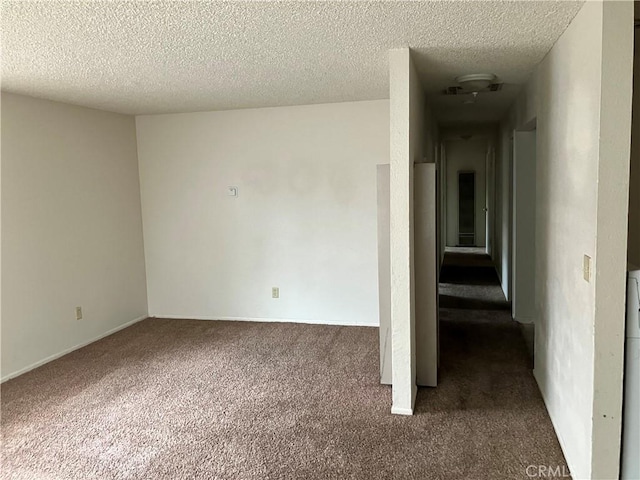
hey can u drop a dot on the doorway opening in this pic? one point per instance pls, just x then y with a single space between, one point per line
464 192
466 208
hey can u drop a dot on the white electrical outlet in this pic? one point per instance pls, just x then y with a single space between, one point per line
78 313
586 268
275 292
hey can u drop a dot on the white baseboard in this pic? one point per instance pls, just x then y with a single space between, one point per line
401 410
404 410
71 349
265 320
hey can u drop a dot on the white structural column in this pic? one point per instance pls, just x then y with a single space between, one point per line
406 119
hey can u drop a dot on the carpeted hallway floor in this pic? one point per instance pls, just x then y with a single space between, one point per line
186 399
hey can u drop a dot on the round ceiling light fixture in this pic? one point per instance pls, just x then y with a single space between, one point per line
476 82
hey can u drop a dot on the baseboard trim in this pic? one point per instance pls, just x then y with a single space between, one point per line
404 410
55 356
401 410
264 320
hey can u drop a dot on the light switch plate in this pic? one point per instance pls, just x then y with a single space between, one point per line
232 191
586 268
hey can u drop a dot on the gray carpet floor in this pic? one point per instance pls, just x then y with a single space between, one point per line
187 399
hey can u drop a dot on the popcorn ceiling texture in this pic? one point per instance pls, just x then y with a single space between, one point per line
161 57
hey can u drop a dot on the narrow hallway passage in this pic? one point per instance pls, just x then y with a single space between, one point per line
486 385
468 280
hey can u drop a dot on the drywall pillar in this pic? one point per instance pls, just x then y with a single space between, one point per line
406 143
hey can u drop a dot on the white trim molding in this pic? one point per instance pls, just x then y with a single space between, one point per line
338 323
401 411
55 356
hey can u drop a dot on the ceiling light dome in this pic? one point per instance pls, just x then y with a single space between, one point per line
476 81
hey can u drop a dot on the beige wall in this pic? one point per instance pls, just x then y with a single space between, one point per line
71 228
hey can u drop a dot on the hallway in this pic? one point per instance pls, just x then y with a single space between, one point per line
486 381
468 280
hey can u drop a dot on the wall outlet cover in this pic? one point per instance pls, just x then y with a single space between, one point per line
78 313
275 292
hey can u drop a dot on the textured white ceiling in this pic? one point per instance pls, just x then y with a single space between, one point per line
157 57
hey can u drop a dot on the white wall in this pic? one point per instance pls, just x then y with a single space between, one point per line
406 143
478 132
466 155
71 228
504 164
524 227
426 273
426 242
521 115
634 184
611 245
581 94
568 131
430 133
304 220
